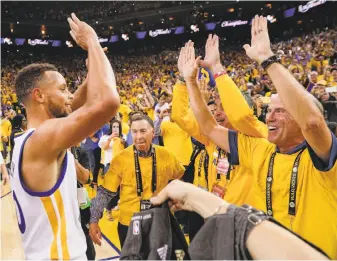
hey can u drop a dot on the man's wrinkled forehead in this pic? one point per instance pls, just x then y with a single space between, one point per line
275 101
140 125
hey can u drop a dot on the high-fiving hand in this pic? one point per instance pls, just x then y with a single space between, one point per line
212 54
187 64
260 49
81 32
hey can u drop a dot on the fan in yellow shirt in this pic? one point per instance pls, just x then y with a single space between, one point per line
175 139
294 170
6 129
141 171
235 183
124 110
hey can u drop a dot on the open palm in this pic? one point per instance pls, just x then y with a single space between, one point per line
260 49
212 54
189 65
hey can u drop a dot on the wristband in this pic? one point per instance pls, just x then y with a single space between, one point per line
219 74
272 59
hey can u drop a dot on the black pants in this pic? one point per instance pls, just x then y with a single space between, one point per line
195 222
97 156
122 233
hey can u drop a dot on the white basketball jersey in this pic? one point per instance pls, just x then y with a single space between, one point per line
49 221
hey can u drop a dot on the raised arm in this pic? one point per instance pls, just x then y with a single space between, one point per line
243 119
148 95
208 126
101 104
182 114
80 95
297 101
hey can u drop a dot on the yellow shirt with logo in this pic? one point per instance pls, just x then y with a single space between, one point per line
177 141
122 173
316 197
239 186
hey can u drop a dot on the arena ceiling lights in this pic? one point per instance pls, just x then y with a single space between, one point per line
194 28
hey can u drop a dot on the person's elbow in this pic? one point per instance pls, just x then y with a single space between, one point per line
110 103
207 128
84 176
314 123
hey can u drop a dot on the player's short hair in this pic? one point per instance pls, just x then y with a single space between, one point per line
140 117
28 77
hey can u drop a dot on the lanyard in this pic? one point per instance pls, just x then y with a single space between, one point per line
139 173
203 158
200 162
228 174
293 185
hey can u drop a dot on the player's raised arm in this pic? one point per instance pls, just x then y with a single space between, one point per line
60 128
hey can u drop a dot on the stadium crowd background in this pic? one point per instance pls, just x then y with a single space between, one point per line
311 58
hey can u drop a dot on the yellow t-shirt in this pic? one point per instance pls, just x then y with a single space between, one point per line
200 178
177 141
150 113
125 128
238 188
14 97
125 110
316 199
6 127
122 173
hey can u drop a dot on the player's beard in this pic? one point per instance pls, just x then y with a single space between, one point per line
56 110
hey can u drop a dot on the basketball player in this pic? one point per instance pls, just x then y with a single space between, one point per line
44 172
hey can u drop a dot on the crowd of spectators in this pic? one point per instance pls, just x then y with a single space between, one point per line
311 58
59 11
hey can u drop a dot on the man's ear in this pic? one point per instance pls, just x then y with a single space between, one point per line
38 95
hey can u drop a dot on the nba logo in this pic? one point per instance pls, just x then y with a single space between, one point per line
136 227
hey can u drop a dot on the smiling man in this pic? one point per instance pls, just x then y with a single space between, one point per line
295 169
141 171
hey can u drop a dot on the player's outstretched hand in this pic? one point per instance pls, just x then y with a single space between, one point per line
81 32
